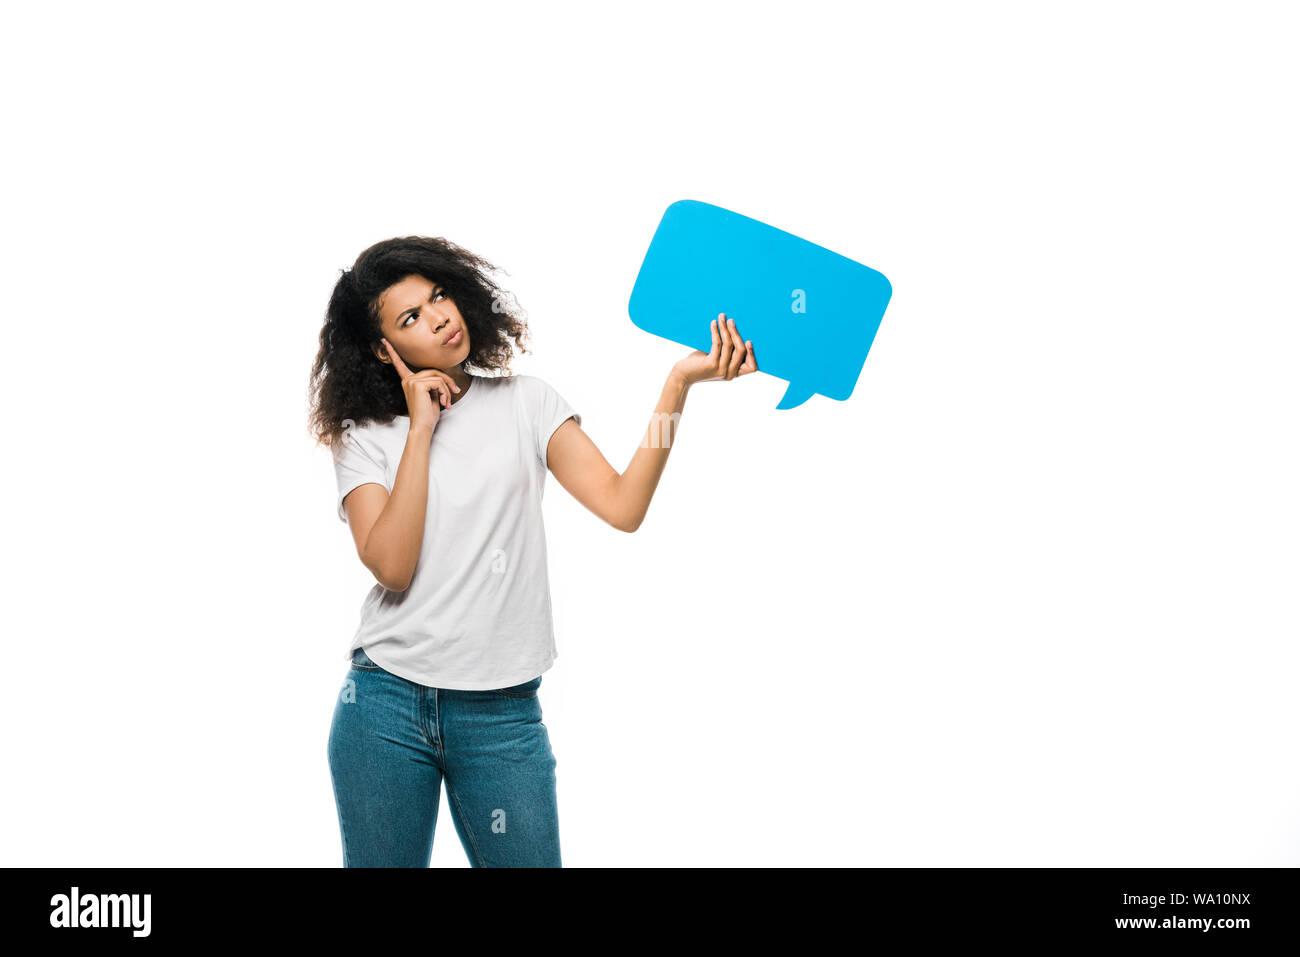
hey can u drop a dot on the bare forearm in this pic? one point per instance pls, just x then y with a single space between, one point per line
393 545
637 484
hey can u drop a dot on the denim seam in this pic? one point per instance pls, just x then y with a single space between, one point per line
420 699
464 824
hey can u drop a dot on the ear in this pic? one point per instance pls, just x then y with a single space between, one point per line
381 353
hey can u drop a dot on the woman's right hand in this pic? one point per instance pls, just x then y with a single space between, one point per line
420 388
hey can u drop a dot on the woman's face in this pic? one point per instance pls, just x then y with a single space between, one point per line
418 318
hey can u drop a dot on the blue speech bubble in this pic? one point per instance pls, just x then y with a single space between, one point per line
812 314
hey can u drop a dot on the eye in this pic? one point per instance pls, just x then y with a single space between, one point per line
440 294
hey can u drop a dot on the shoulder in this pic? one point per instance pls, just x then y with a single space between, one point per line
529 385
526 388
511 381
371 436
516 380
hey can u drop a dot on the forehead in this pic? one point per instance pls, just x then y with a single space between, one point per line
397 298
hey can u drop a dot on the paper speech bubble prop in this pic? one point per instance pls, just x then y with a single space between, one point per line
812 314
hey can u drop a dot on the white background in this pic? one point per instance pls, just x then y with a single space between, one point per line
1028 597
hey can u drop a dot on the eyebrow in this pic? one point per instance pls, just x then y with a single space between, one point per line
405 312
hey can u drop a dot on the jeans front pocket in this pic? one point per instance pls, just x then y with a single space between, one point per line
526 690
362 661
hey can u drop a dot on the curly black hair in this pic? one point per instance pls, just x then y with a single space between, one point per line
348 381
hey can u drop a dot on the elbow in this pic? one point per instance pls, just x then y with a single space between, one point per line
618 511
393 579
394 583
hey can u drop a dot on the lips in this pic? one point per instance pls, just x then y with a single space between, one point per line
454 338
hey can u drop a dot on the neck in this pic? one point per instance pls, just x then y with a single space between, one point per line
462 379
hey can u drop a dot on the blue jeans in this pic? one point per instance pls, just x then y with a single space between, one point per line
393 744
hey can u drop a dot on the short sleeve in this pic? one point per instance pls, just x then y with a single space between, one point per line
550 412
358 459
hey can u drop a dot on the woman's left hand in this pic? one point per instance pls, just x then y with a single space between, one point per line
729 357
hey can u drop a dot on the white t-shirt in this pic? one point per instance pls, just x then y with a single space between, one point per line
477 614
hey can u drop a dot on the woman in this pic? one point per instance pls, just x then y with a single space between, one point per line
440 475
